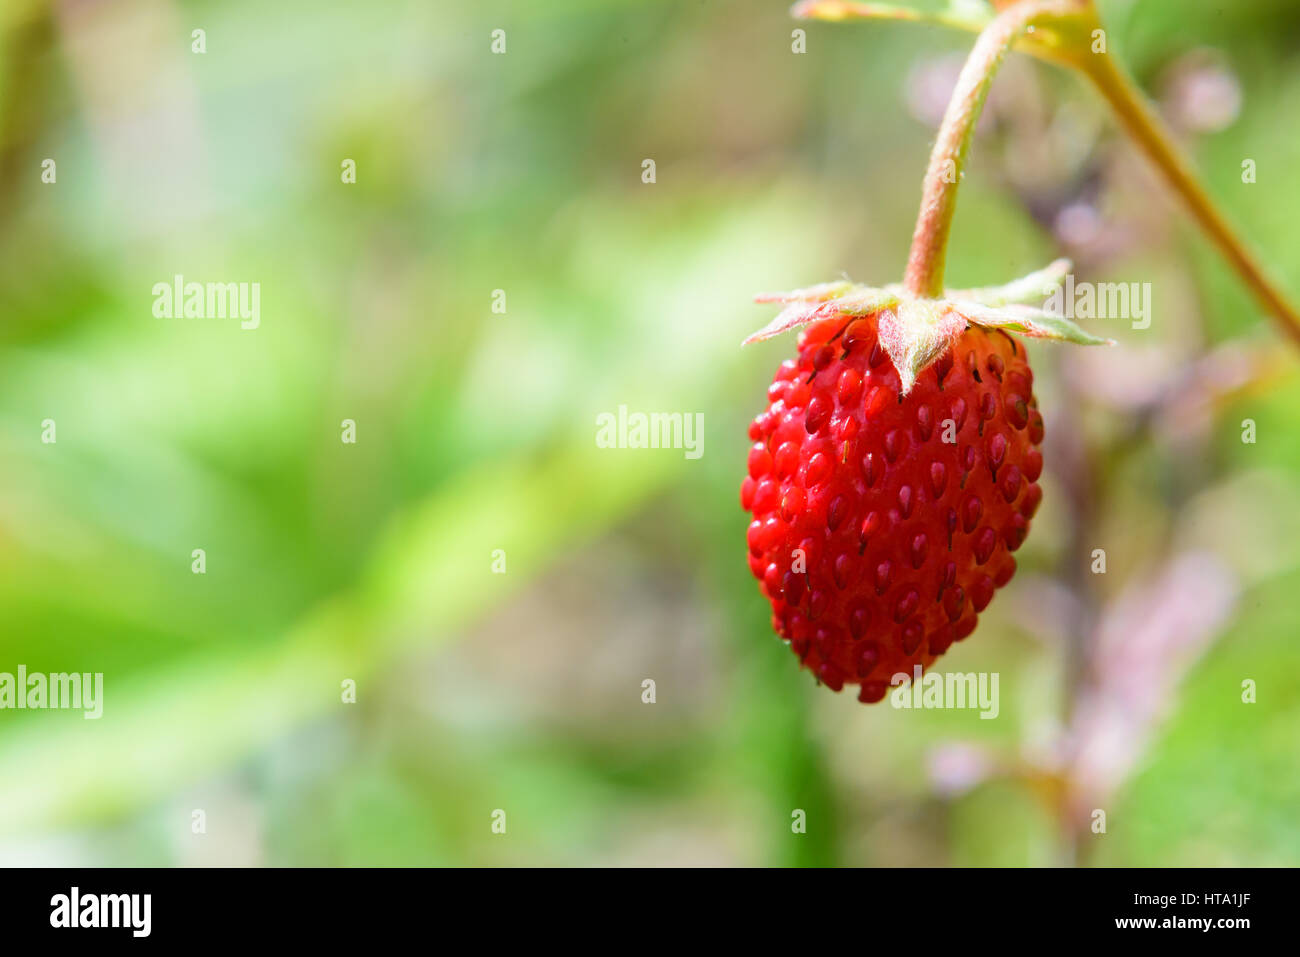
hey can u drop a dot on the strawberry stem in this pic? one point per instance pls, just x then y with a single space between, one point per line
924 277
1145 127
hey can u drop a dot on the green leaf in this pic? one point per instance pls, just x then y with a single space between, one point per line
1060 36
968 15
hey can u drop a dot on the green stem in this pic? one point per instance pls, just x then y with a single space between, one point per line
925 264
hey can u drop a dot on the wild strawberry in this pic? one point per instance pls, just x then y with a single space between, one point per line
894 472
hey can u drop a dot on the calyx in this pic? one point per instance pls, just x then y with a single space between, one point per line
916 331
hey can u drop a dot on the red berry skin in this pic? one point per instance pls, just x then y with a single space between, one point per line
877 538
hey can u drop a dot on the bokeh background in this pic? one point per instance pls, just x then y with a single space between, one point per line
522 691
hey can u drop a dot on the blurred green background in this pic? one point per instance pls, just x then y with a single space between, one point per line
373 561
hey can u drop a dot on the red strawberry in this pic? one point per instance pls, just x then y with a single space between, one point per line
886 506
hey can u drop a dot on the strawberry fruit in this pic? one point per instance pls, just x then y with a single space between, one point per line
894 472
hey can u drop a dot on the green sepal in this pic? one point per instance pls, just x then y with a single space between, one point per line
1029 321
806 306
1036 286
914 332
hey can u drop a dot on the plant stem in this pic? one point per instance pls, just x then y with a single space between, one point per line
1145 127
925 264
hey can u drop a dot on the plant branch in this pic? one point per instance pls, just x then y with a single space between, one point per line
1145 127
